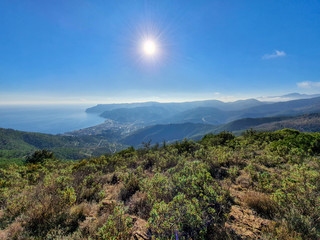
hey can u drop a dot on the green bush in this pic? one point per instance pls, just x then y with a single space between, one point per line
39 156
117 226
130 186
219 139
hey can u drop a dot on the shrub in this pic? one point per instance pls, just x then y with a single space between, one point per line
140 205
90 188
130 186
39 156
220 139
118 226
233 172
186 147
303 224
159 188
180 214
198 203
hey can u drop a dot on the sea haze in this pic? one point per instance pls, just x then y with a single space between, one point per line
52 119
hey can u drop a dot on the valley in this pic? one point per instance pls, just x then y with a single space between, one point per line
155 123
132 124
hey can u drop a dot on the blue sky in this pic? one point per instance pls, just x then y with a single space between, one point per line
90 51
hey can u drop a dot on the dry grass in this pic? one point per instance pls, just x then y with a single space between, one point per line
261 203
139 205
14 231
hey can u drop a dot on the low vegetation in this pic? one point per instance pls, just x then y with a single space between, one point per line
259 185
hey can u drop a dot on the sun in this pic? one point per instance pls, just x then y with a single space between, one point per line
149 47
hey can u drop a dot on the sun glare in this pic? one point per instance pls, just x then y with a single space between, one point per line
149 47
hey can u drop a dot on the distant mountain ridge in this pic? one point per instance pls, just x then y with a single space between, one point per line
289 97
175 121
179 106
208 112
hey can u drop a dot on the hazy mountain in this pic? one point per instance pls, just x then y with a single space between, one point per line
196 112
100 108
288 97
176 121
216 116
296 96
247 123
146 115
168 133
241 104
179 107
177 132
294 107
207 115
303 123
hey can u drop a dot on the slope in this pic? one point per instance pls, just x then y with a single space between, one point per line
17 144
166 132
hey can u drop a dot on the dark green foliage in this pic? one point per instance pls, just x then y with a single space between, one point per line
39 156
186 147
131 186
129 152
219 139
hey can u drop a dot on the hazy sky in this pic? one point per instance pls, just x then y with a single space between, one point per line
91 51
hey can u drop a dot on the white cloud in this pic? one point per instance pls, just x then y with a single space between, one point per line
275 54
308 84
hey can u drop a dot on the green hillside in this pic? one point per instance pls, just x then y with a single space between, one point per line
257 186
304 123
247 123
15 145
178 132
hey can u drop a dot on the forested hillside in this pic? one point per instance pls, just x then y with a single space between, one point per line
166 133
195 131
256 186
15 145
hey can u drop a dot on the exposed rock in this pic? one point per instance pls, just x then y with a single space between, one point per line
108 205
139 229
245 223
244 181
112 191
107 202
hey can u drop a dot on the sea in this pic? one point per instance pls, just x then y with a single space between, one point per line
53 119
